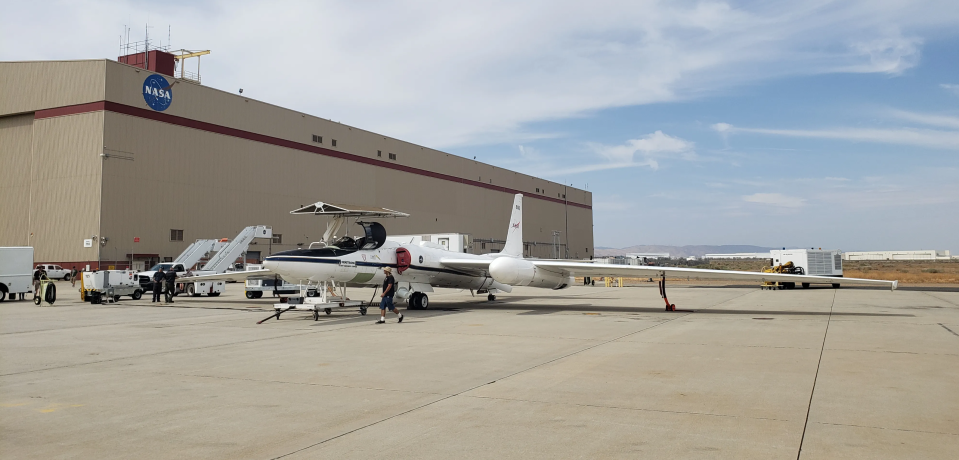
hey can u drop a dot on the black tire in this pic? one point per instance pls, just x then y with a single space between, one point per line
835 285
66 277
805 285
213 294
136 294
490 297
116 298
414 301
3 294
328 311
36 299
250 295
316 315
363 311
51 295
424 302
191 290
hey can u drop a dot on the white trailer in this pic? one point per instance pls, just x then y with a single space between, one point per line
108 285
811 262
16 272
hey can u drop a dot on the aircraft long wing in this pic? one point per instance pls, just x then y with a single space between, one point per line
569 268
230 276
640 271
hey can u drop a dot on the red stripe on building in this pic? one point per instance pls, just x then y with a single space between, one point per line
218 129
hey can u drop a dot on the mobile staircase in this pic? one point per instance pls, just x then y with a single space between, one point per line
225 257
194 252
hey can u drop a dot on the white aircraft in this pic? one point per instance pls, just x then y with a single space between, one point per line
420 267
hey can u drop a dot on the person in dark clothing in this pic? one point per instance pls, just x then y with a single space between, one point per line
170 285
73 276
389 288
157 284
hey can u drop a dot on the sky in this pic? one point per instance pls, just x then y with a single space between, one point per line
796 124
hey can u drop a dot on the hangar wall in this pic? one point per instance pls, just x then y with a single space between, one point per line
215 162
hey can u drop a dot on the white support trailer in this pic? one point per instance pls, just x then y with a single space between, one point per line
326 300
811 262
108 285
16 272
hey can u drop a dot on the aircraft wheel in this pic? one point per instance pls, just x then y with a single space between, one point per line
491 297
424 302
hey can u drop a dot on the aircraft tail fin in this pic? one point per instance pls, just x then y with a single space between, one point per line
514 235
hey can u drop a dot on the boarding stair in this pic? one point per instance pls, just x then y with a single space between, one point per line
194 252
225 257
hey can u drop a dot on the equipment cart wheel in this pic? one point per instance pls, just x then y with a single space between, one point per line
805 285
835 285
363 310
250 294
491 297
316 315
116 298
136 294
213 294
191 290
328 311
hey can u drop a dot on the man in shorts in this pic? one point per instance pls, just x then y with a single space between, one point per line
386 298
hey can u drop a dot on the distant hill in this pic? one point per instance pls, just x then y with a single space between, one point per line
682 251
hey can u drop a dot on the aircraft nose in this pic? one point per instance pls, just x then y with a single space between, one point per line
269 264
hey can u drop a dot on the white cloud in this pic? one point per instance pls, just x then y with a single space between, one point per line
929 138
942 121
954 89
775 199
448 73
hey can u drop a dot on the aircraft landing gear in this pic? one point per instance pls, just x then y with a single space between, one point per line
419 301
662 292
490 297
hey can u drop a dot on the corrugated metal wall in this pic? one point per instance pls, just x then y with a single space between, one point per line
162 176
124 85
16 144
32 86
211 186
65 186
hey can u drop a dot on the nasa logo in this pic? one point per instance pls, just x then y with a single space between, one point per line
157 93
516 225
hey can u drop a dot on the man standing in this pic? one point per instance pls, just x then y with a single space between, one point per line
157 284
389 288
170 285
73 276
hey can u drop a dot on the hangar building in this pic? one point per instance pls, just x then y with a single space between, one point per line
100 148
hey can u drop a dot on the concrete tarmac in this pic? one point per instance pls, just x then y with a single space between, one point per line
588 372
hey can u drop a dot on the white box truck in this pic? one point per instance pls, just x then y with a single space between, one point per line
16 272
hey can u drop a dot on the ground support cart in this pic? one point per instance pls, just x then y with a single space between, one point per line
325 301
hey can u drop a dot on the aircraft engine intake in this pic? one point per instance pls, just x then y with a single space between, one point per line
519 272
